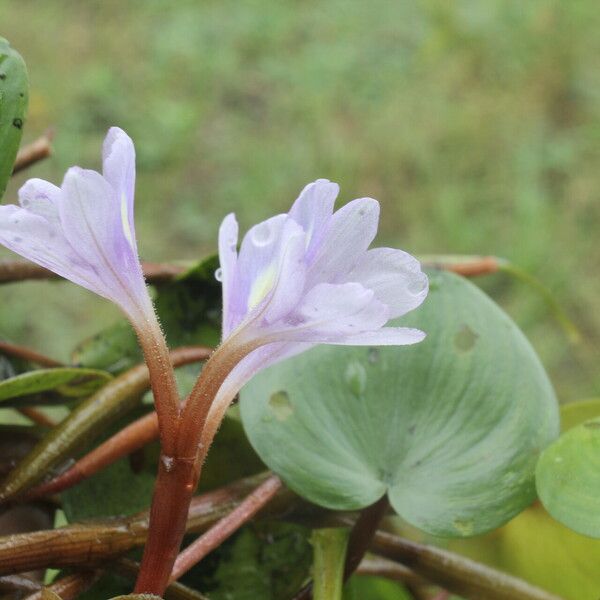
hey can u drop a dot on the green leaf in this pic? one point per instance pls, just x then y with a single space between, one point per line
189 308
567 475
120 489
77 430
568 478
265 560
451 428
360 587
68 382
541 551
14 96
114 349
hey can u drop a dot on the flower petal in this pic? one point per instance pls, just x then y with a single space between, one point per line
329 312
38 240
395 277
91 221
228 237
118 157
350 232
313 209
387 336
270 270
41 198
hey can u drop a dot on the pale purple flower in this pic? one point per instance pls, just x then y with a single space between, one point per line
84 230
308 277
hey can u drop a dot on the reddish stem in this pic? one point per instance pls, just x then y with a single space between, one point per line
133 437
37 416
174 486
162 379
22 270
226 527
34 152
27 354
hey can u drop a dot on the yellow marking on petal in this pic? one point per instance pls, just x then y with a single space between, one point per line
125 220
261 286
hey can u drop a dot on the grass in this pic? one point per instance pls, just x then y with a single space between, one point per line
475 124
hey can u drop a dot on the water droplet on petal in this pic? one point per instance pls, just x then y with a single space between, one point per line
262 234
356 378
17 239
219 274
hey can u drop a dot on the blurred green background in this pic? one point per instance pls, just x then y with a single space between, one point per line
476 124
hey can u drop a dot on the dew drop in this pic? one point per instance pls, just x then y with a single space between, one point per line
17 239
356 378
219 274
262 234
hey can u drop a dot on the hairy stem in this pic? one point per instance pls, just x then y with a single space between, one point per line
162 379
179 470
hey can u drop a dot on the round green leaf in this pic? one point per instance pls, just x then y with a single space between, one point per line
451 428
568 478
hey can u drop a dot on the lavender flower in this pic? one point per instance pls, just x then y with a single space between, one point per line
306 278
84 230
